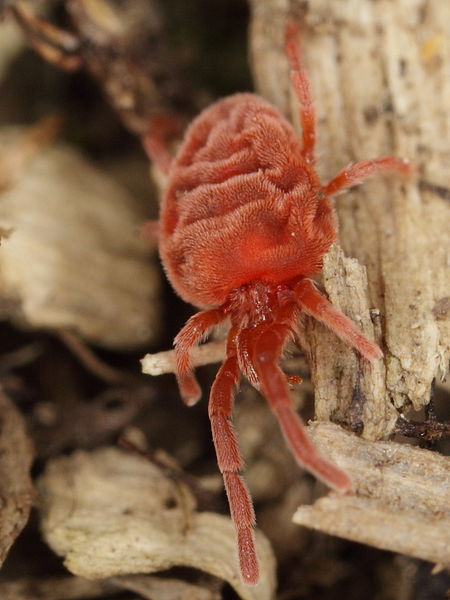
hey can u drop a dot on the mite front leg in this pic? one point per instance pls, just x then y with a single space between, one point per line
196 327
275 388
315 305
230 462
353 174
155 142
302 88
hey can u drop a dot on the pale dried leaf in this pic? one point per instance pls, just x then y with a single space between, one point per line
113 513
401 502
74 259
16 489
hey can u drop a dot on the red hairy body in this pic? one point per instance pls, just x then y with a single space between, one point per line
245 222
242 204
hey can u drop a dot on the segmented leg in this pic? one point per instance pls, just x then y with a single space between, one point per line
313 303
302 88
160 128
267 350
230 462
244 350
196 327
353 174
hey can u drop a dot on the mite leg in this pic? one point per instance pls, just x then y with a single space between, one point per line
267 350
314 304
160 128
353 174
245 357
244 350
302 88
196 327
230 462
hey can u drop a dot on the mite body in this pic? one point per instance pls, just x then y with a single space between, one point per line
244 223
242 204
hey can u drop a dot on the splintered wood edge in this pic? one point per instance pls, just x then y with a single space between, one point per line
401 499
369 522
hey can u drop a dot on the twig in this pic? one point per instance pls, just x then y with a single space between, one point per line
92 362
164 362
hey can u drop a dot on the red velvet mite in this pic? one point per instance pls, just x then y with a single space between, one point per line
245 223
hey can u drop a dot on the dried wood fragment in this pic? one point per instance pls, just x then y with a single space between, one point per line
379 73
114 513
346 387
401 501
16 489
164 362
73 258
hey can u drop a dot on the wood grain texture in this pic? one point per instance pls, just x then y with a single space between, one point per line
401 496
71 257
380 75
151 526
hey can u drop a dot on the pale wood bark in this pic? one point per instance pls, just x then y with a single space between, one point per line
401 500
151 526
71 257
381 81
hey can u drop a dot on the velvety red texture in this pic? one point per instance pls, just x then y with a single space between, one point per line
242 204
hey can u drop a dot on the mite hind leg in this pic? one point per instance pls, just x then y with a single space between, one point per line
267 350
160 129
230 462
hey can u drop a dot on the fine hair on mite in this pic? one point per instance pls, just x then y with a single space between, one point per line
245 222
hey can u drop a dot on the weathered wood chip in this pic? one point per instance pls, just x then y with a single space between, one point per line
402 496
73 258
109 513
